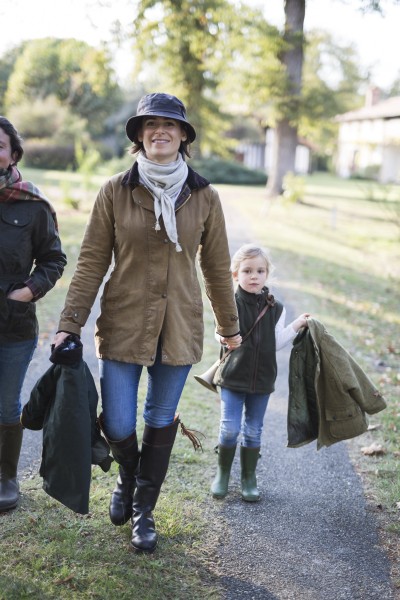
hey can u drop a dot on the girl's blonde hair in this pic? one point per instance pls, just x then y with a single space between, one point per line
251 251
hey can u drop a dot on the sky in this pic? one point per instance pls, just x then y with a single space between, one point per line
375 38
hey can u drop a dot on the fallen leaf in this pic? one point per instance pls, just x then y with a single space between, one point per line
374 450
65 580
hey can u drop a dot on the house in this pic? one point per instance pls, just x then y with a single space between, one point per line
259 155
369 139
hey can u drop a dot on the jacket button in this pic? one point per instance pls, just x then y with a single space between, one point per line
164 295
151 357
165 241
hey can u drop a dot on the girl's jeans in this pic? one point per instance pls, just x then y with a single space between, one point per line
14 361
241 412
119 384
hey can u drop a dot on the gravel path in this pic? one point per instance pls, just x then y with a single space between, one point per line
312 535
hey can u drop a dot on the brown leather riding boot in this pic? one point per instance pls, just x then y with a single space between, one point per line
126 454
153 466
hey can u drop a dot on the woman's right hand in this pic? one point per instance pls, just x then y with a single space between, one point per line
232 342
60 337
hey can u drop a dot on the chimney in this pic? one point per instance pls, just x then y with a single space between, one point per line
372 96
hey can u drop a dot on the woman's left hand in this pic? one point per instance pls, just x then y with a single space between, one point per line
22 295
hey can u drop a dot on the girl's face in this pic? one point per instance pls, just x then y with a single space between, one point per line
252 274
161 138
5 150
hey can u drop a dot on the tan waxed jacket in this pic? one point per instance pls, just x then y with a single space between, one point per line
153 291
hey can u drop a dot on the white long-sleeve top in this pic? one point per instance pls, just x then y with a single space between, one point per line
284 334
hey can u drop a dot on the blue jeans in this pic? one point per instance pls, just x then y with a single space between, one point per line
242 413
14 362
119 384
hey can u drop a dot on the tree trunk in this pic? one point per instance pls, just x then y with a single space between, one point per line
285 139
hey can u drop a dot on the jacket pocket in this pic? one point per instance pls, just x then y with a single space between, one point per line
346 422
21 323
16 242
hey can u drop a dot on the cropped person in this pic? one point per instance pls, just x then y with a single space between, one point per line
152 221
247 376
31 261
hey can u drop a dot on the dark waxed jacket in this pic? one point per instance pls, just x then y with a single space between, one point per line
329 393
30 255
252 367
64 403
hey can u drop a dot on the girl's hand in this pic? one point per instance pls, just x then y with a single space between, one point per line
301 321
232 342
22 295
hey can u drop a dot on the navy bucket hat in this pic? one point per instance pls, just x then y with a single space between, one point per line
159 105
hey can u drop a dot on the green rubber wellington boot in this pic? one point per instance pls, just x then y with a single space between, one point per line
248 462
219 487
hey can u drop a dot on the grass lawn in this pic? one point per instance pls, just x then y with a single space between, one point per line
337 254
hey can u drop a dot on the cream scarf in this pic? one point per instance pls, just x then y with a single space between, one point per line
164 182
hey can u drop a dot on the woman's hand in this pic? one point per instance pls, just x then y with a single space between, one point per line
232 342
21 295
301 321
60 337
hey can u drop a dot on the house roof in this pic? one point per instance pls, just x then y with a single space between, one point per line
387 109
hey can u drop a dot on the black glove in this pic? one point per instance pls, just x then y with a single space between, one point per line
70 352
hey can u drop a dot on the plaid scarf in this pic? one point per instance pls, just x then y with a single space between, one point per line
12 189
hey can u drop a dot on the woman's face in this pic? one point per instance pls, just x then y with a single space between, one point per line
161 138
5 150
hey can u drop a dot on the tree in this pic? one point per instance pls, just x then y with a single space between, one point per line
7 62
323 97
288 107
185 39
78 75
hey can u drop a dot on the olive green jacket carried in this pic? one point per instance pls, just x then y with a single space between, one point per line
329 393
153 291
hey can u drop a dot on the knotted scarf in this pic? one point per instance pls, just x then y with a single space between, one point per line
164 182
13 188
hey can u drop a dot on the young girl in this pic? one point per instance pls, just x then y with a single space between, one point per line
248 374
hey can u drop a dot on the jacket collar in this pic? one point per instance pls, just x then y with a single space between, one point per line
251 298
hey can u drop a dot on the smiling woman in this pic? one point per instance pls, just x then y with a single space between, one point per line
152 220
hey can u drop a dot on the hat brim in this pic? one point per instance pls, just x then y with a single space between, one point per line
134 123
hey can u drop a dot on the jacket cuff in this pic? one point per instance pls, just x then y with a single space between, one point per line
34 289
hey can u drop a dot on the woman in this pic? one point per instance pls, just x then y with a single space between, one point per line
31 261
151 220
